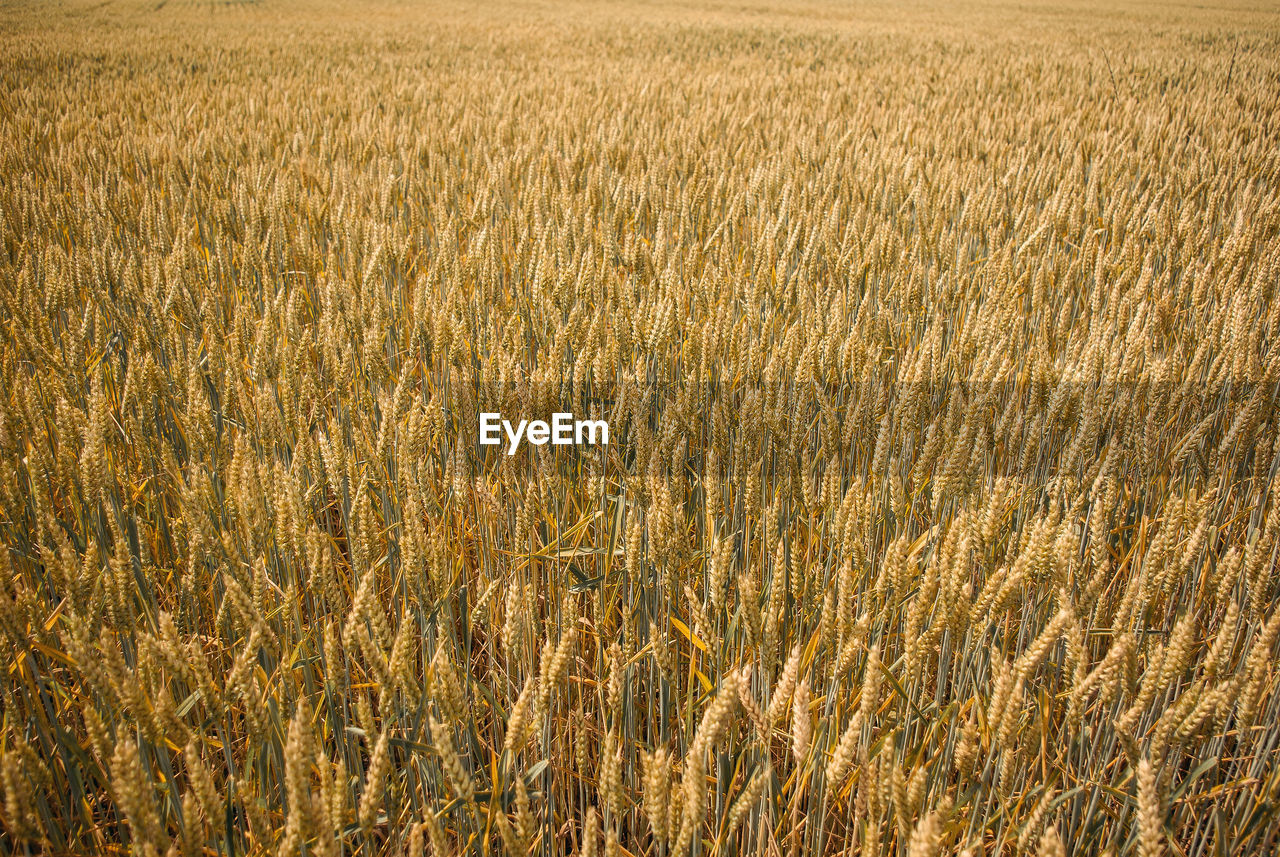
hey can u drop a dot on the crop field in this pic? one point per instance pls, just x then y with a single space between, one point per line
939 348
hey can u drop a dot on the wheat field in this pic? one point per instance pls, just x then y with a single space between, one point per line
940 350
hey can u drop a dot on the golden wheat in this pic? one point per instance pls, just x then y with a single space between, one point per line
937 344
